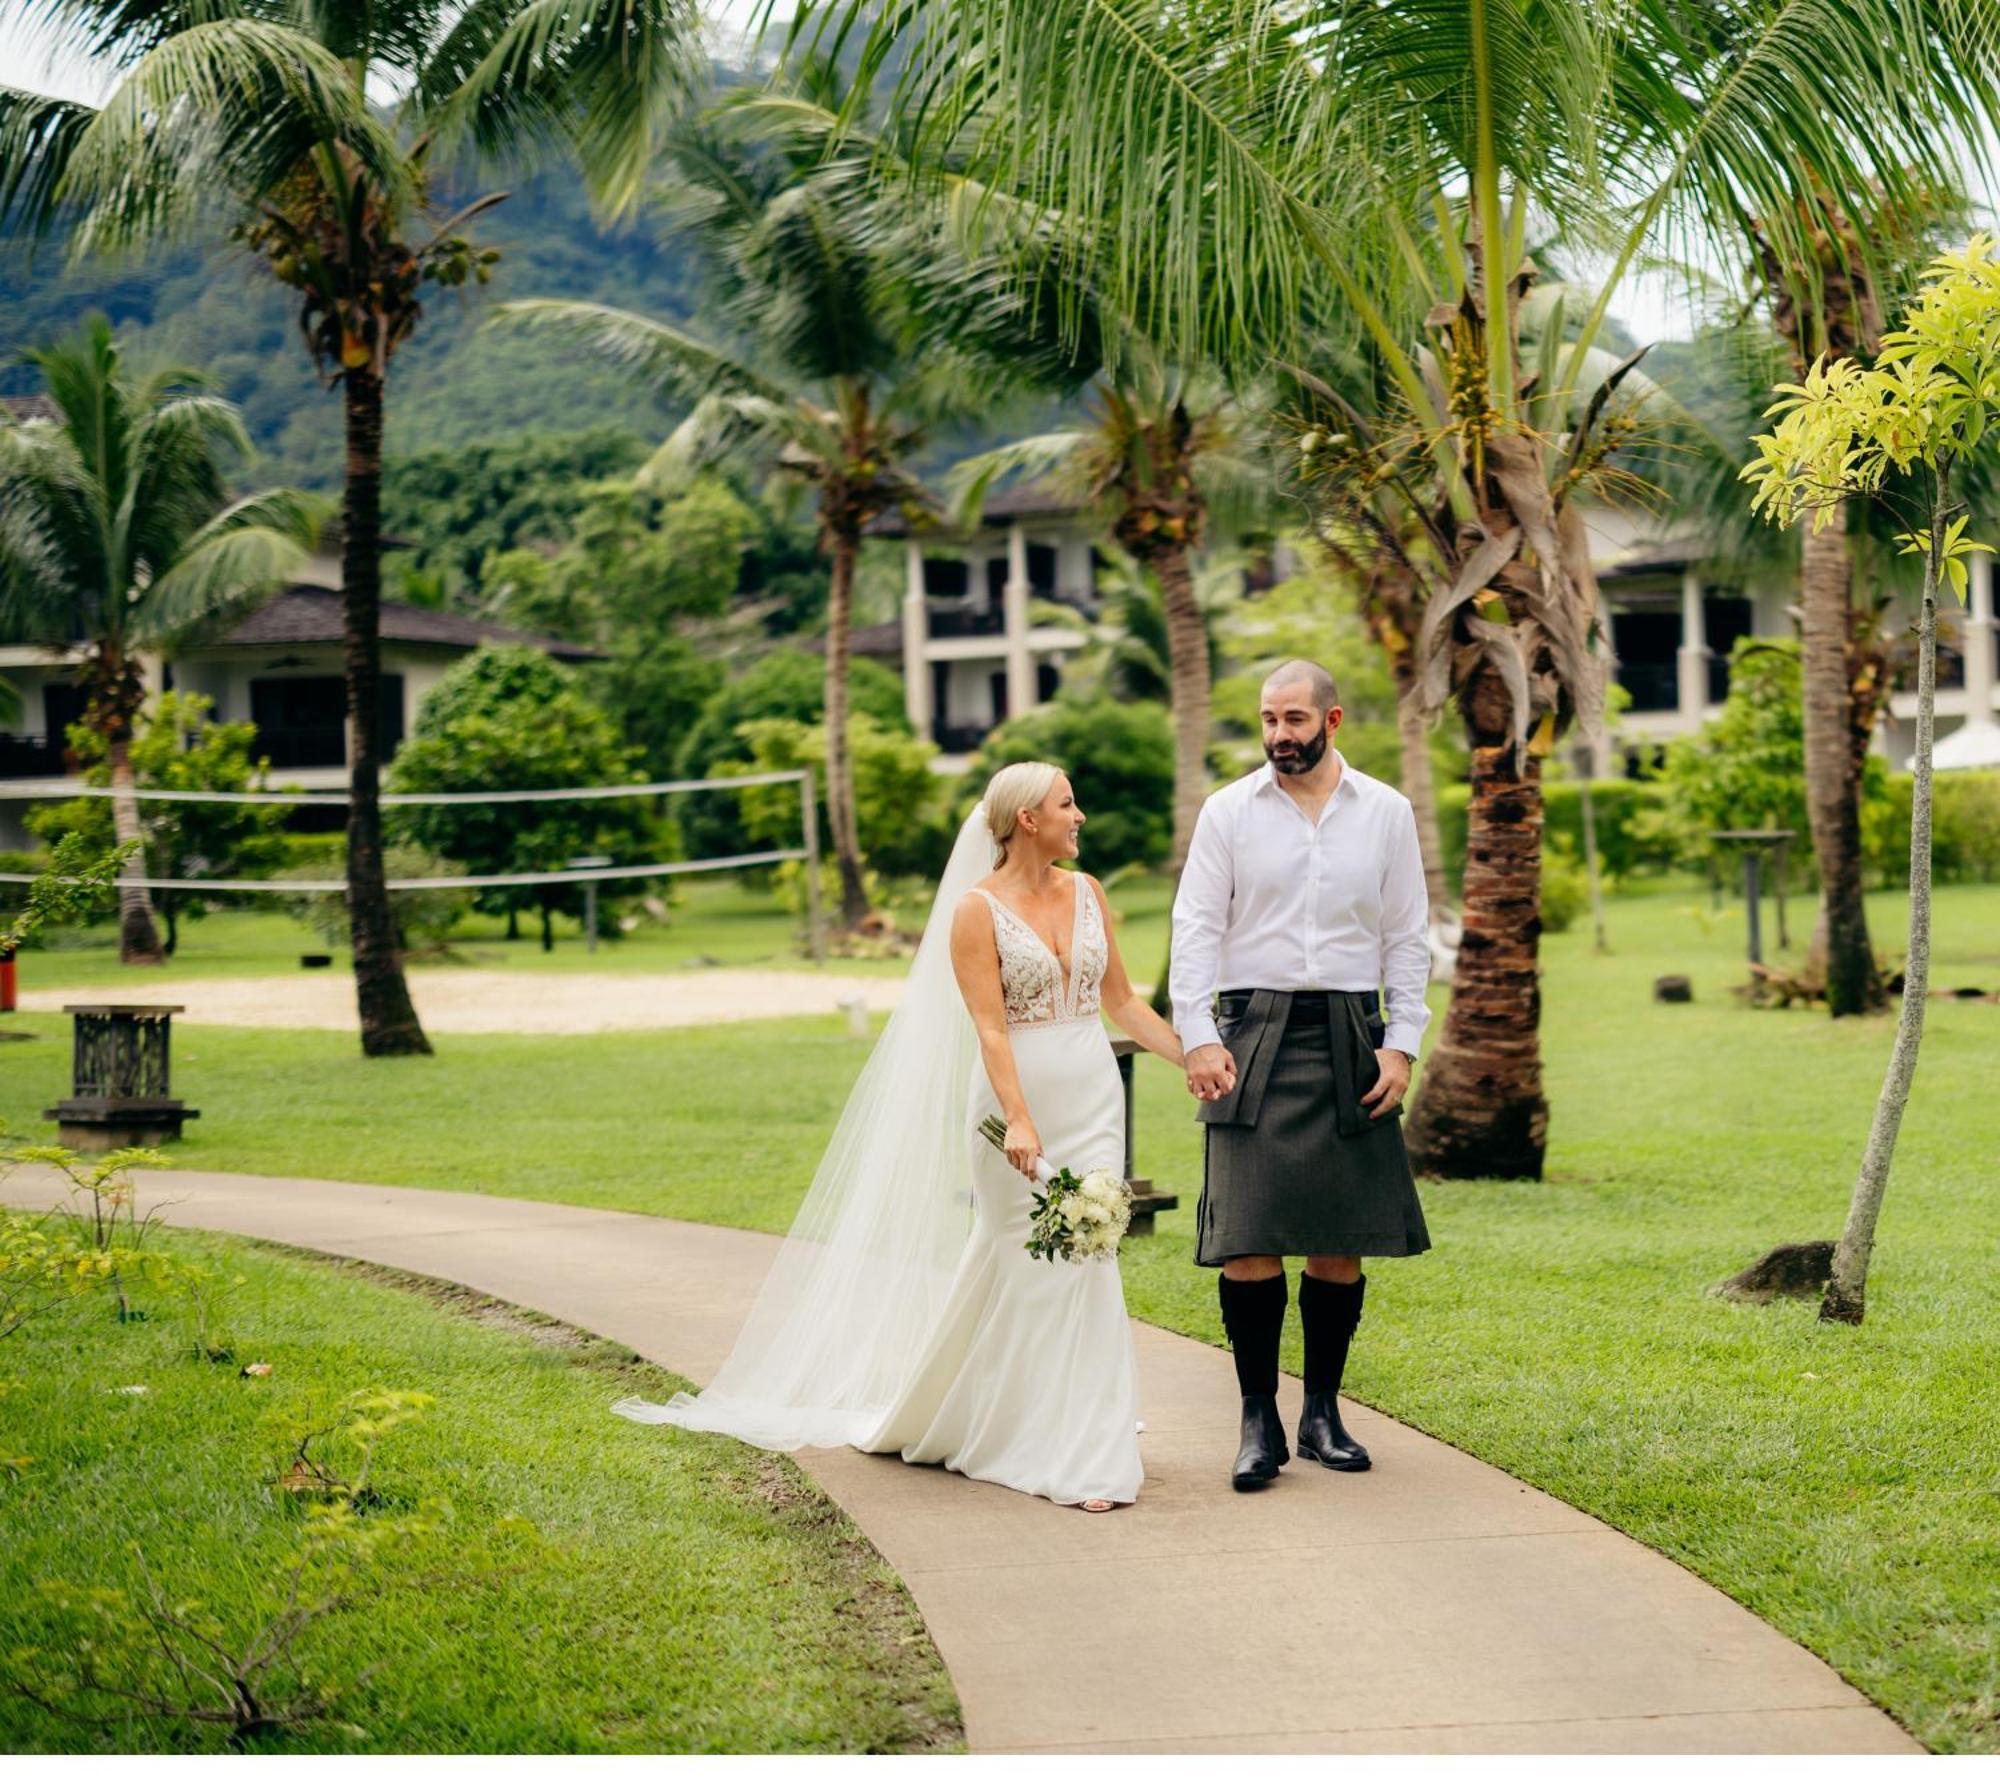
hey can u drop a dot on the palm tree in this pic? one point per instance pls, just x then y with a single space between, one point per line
1237 169
116 533
1836 312
256 115
1155 458
836 362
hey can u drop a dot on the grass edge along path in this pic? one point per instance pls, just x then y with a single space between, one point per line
639 1613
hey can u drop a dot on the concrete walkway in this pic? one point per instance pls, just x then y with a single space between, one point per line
1431 1605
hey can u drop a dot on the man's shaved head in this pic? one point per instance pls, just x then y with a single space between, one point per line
1319 685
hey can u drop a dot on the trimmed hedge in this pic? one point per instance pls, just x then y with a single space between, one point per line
1965 830
1617 801
1965 845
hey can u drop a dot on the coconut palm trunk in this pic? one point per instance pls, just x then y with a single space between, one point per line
1482 1109
1846 1298
1833 779
389 1025
840 815
138 933
1187 661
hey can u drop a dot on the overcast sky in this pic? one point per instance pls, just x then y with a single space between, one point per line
1652 307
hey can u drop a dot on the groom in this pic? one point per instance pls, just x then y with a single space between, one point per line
1303 896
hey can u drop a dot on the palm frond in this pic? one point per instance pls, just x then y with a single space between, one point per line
1061 458
226 567
669 359
218 112
600 77
38 136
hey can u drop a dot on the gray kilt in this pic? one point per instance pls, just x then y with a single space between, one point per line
1295 1165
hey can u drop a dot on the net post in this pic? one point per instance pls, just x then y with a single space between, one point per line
815 927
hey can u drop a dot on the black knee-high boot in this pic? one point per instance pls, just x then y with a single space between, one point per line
1253 1314
1329 1313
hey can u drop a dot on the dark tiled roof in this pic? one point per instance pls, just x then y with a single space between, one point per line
30 407
312 615
1027 500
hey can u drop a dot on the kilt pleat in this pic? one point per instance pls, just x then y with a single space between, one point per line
1295 1171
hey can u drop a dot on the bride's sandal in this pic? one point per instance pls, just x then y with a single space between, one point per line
1094 1505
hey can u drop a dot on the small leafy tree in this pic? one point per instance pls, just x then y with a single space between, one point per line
899 802
510 716
77 877
1920 412
175 748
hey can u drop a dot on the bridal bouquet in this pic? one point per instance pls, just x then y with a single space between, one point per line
1075 1218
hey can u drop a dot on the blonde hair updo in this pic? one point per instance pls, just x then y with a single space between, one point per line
1012 789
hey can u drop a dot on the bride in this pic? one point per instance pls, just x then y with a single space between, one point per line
904 1313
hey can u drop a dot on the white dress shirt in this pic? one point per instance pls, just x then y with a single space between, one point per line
1273 899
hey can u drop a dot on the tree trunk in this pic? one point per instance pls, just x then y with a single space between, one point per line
1419 782
1833 786
1479 1111
846 834
1187 658
388 1018
548 925
138 935
1847 1290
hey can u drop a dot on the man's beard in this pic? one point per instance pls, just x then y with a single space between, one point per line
1293 758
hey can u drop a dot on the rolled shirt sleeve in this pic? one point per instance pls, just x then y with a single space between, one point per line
1406 947
1201 909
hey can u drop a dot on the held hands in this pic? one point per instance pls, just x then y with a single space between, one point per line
1211 1072
1024 1145
1387 1093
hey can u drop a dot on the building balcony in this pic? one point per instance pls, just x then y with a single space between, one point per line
978 621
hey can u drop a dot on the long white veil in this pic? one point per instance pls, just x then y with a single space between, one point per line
850 1301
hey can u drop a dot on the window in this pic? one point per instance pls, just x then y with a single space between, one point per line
946 577
1048 681
1042 569
303 722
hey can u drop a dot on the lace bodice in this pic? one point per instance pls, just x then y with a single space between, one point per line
1031 976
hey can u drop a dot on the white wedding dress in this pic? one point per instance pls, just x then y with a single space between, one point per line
1029 1378
903 1312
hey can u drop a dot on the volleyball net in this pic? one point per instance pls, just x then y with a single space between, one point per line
807 852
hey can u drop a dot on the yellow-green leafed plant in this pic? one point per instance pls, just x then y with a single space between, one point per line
1924 407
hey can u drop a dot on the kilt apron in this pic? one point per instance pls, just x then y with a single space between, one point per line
1294 1163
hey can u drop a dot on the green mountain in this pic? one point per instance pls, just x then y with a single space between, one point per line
449 386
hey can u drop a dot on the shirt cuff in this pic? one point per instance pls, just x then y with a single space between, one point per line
1198 1029
1402 1037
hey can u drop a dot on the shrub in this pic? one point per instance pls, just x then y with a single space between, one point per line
787 684
901 807
1965 830
1120 760
424 919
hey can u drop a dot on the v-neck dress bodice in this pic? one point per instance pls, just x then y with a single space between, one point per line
1032 982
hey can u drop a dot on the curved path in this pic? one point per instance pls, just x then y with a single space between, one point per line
1431 1605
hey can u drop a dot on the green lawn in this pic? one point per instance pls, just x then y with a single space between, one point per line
672 1595
712 920
1844 1484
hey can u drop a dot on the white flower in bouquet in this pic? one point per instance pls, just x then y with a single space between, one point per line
1073 1219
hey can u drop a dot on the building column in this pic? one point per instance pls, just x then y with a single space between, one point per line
1693 656
916 634
1978 634
1020 665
